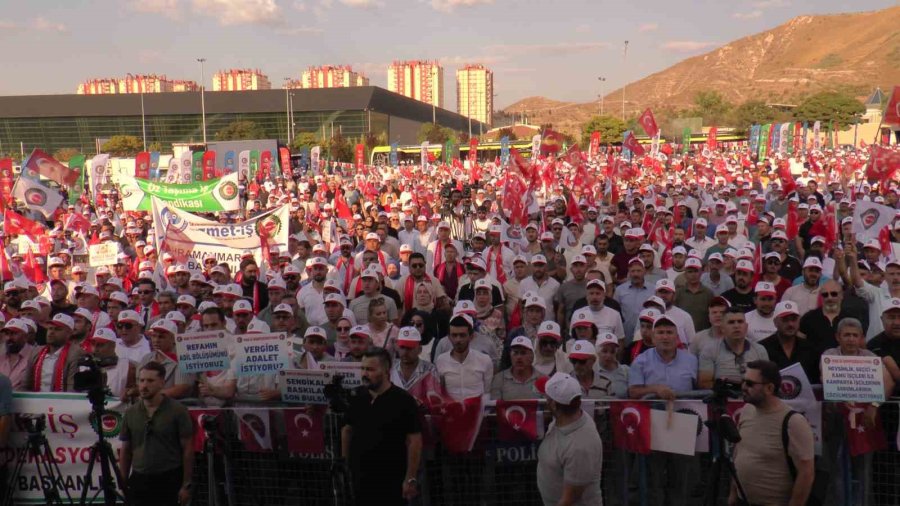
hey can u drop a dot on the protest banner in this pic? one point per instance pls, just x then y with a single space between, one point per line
350 371
257 354
214 195
300 386
102 254
70 436
852 379
202 352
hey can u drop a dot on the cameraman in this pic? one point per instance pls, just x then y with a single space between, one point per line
458 213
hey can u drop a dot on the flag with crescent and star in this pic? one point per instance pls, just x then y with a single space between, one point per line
457 422
862 436
631 426
520 420
199 433
305 430
255 429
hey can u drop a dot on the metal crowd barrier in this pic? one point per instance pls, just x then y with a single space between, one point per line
496 473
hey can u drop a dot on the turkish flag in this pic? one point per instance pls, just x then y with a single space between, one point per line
633 145
648 122
199 433
883 163
862 439
41 163
31 269
255 429
792 223
892 113
75 221
458 422
340 206
551 142
209 165
519 421
142 165
788 184
734 409
15 223
305 430
573 211
631 426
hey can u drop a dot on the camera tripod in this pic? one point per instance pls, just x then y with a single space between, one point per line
723 431
102 451
38 449
214 443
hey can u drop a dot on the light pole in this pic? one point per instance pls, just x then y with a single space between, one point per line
143 121
287 107
202 99
600 96
624 55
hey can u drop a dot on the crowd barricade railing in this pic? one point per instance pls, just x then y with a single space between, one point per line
257 444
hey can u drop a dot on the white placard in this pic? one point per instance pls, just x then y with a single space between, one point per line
103 254
852 379
301 386
257 354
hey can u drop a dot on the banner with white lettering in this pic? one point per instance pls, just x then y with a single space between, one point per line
257 354
301 386
67 426
202 352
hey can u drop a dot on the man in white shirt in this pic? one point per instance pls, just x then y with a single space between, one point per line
665 290
133 346
605 318
408 234
806 294
761 321
700 241
539 282
312 296
464 372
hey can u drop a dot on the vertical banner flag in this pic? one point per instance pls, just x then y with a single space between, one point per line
817 142
685 140
789 139
275 166
98 174
228 163
154 165
254 165
448 152
187 164
142 165
360 156
892 111
255 429
805 136
6 178
770 145
504 151
473 149
265 166
244 165
314 155
595 145
76 163
797 139
174 171
763 140
776 139
536 146
711 138
209 165
648 123
423 154
305 430
754 139
394 158
286 168
197 167
782 137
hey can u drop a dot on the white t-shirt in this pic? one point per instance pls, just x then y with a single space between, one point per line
134 353
759 327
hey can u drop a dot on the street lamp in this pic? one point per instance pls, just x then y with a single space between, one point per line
202 99
287 107
600 96
624 55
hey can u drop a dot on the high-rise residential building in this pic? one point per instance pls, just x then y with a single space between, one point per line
146 83
420 80
332 76
240 80
475 93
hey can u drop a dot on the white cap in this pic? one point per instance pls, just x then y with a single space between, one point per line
812 262
549 328
893 303
315 330
16 324
360 330
62 320
103 334
665 284
242 306
606 338
258 327
561 387
408 337
785 308
583 349
283 308
483 284
522 341
186 299
693 263
745 265
765 288
535 301
166 325
176 316
130 316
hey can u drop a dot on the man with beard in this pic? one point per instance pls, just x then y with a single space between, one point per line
620 263
242 313
252 289
178 384
785 348
312 296
727 358
570 458
16 352
315 349
382 432
418 274
820 325
760 460
806 294
52 367
741 296
199 287
790 266
59 298
157 444
464 372
761 321
410 372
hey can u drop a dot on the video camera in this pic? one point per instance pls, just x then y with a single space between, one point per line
720 422
338 396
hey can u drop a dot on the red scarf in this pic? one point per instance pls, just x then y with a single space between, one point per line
357 288
498 263
349 272
442 271
256 307
58 370
408 290
438 255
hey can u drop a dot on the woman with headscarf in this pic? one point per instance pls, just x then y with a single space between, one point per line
341 347
424 300
427 327
489 318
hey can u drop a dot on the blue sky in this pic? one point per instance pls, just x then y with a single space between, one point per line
555 49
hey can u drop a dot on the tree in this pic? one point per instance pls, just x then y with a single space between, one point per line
65 154
241 131
123 145
712 106
610 129
829 107
434 133
305 140
507 132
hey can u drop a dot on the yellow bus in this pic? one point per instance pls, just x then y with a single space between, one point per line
487 152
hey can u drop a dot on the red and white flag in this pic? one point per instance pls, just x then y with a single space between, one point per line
892 112
633 145
42 163
15 223
199 433
631 426
305 429
648 123
883 164
255 429
458 422
860 438
519 421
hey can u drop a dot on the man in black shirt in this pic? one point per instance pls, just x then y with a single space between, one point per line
887 344
785 348
382 438
742 296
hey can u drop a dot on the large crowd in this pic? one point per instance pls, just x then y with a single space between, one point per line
656 276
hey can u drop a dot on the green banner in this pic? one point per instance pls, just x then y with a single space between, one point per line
685 140
448 152
197 166
77 163
764 140
790 138
254 165
204 196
